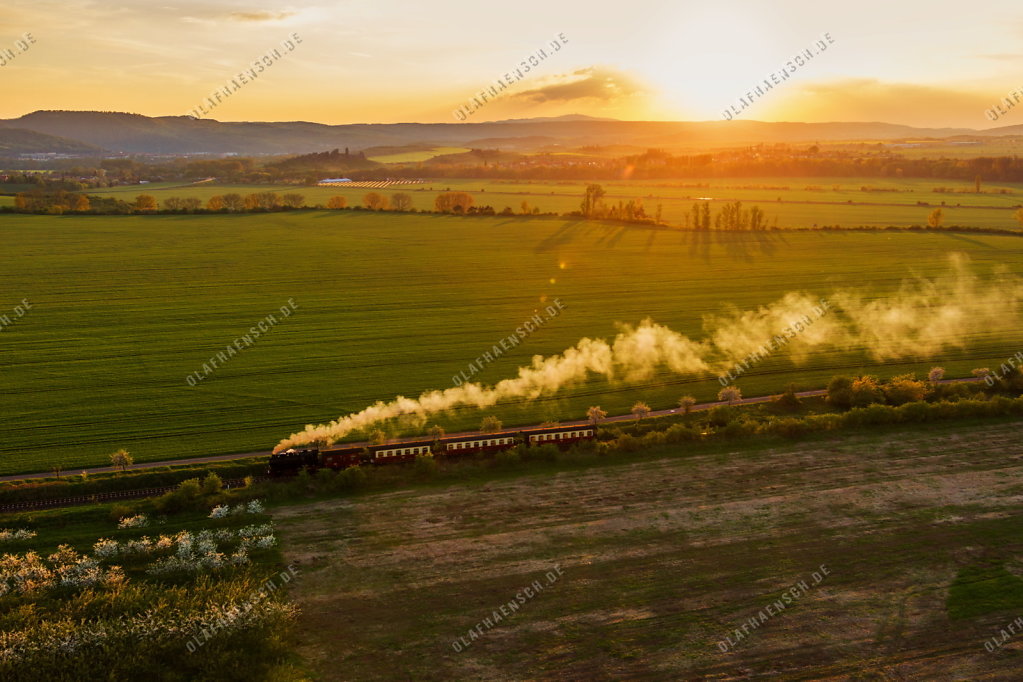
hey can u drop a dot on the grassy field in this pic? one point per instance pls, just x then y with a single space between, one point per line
416 156
661 560
838 201
124 308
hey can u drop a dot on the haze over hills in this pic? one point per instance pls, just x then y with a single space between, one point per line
22 141
87 131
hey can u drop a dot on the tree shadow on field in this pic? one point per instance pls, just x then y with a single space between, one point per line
650 240
613 237
971 241
563 235
699 245
745 246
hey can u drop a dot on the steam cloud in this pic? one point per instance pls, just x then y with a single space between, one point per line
924 318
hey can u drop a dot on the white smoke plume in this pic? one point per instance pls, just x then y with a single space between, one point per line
922 319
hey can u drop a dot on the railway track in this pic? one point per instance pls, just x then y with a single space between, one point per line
228 483
92 498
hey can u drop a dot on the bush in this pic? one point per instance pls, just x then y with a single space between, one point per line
653 439
628 443
951 391
788 428
871 416
840 392
823 422
788 402
325 479
680 433
352 478
916 412
212 484
507 459
548 452
721 416
738 428
903 389
866 391
425 466
119 511
188 495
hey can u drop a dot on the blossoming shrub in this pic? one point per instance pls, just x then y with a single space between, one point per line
137 521
208 629
9 535
29 573
222 511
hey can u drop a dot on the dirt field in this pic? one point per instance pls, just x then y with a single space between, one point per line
662 562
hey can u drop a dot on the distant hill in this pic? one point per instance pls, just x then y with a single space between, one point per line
132 133
16 141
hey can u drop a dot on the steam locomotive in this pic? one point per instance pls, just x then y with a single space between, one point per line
290 462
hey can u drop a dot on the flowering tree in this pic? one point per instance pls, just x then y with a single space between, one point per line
490 424
730 395
122 459
686 403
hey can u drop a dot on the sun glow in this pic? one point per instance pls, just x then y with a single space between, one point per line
709 57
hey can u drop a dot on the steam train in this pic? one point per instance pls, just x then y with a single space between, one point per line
290 462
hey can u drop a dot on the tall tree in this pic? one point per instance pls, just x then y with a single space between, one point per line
293 200
375 201
400 201
145 202
591 200
234 202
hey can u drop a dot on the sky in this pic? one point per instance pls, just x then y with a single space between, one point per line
927 63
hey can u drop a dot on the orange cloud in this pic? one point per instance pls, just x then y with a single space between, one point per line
593 82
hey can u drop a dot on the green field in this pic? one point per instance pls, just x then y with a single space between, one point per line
417 156
830 201
125 307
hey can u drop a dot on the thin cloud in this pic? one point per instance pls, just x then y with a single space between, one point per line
1002 57
262 15
868 99
590 83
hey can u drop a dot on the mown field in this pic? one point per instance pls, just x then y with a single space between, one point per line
658 561
794 202
124 308
415 156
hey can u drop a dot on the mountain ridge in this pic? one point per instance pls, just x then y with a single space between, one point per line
127 133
